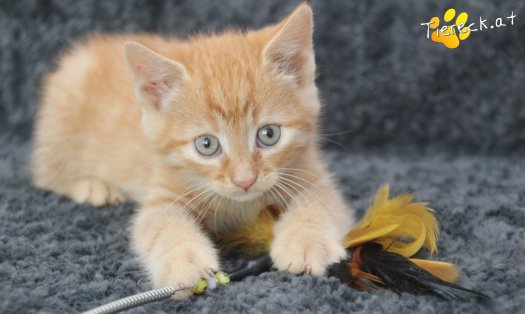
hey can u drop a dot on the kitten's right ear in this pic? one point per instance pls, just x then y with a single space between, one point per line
156 77
290 51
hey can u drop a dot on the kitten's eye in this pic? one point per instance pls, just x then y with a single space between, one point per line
269 135
207 145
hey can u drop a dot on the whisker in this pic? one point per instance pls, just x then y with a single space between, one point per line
300 192
210 201
314 185
302 170
197 202
191 189
311 197
218 208
280 202
283 188
339 133
335 142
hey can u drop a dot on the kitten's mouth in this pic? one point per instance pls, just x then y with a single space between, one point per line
245 196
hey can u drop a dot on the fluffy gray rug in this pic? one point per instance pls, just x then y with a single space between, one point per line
57 256
445 124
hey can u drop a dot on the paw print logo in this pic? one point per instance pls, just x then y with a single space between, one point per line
450 35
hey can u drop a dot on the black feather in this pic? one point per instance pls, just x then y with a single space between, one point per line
398 274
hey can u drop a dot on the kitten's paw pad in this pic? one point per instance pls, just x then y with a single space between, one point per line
184 268
306 252
96 192
450 35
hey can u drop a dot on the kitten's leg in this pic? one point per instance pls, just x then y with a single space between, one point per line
95 191
309 235
172 246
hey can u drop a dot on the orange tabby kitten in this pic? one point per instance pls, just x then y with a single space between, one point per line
226 125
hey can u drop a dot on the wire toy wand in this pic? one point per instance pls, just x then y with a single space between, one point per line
251 268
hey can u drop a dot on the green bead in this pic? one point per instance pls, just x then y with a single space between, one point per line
200 287
222 278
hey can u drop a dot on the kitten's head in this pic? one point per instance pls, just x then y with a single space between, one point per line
232 110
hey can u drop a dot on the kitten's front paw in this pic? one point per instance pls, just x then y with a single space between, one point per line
299 250
183 267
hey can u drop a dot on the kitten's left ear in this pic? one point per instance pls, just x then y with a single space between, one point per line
290 51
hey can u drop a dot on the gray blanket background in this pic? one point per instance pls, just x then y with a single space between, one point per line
445 124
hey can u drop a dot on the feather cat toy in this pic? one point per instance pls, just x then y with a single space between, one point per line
381 247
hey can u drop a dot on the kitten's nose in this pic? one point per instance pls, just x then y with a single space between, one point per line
245 183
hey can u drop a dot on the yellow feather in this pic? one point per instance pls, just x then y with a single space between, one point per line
400 226
359 236
444 271
380 198
254 238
